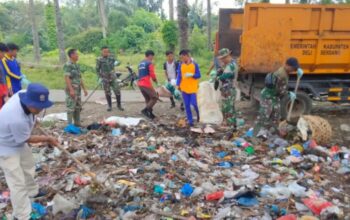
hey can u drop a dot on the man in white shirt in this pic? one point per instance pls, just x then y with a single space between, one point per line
16 160
170 69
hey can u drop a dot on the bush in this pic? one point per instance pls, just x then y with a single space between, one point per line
148 21
170 34
87 41
131 37
117 21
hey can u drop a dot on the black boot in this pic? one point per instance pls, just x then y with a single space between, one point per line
119 103
145 112
152 116
109 102
172 102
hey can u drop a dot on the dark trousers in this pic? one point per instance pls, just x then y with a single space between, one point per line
150 96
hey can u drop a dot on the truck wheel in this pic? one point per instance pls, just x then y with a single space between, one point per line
302 105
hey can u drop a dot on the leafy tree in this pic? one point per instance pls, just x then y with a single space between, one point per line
131 37
170 34
51 25
148 21
198 41
196 14
117 20
86 41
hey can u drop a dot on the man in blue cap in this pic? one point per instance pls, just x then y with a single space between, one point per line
276 86
16 159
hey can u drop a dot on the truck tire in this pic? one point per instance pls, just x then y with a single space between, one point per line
302 105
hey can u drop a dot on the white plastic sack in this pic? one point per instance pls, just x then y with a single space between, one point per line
56 117
209 104
163 92
128 121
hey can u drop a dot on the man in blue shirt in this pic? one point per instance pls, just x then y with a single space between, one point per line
16 159
12 69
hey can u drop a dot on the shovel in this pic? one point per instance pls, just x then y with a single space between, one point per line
284 124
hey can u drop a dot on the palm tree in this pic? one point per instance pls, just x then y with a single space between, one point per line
34 32
171 10
103 17
59 29
182 17
209 24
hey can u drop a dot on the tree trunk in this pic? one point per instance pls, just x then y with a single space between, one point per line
287 1
103 17
209 24
34 32
171 10
182 17
59 29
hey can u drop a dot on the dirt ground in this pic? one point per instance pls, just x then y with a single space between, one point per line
335 114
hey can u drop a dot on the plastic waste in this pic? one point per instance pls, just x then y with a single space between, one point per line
209 104
332 212
288 217
61 204
122 121
187 190
247 199
72 129
131 208
275 210
158 190
221 154
214 196
55 117
250 150
297 190
85 212
222 213
116 132
316 205
249 133
39 210
225 164
197 191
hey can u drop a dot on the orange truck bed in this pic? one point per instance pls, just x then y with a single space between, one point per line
318 35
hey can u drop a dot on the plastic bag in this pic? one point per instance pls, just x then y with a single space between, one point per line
61 204
209 104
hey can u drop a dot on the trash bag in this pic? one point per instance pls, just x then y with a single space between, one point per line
209 104
72 129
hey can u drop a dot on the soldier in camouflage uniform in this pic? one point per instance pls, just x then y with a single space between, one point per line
228 90
276 86
74 84
105 72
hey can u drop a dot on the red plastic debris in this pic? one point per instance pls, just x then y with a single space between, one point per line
316 205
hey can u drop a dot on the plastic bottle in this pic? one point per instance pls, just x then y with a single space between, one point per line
214 196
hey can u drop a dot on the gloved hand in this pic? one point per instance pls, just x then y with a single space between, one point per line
300 72
177 94
292 96
188 75
24 81
99 80
116 63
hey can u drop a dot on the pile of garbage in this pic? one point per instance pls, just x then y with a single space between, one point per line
154 170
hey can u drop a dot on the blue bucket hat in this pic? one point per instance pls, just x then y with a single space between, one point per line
36 96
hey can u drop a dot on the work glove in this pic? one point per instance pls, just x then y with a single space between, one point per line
212 75
300 72
24 81
177 94
99 80
292 96
116 63
188 75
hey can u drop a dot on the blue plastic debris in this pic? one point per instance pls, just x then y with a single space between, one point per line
221 154
187 190
72 129
85 212
131 208
249 133
116 132
38 210
247 199
225 164
174 157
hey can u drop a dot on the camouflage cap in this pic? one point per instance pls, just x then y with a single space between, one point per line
224 52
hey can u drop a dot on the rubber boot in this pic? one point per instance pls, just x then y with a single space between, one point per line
109 102
76 117
70 117
172 102
150 112
119 103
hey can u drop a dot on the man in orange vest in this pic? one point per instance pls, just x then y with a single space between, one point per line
187 80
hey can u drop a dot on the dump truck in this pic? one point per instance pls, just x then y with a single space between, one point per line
263 36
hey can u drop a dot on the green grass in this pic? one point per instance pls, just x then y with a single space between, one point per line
50 73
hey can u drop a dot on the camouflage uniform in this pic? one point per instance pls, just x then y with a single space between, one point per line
73 105
105 70
270 103
228 92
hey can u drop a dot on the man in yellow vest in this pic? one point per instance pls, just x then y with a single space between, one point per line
187 80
